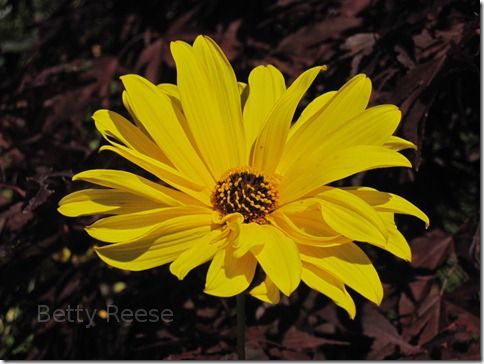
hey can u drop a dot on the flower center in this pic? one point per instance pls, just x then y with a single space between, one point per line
247 192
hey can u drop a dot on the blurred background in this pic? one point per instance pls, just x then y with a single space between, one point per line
60 60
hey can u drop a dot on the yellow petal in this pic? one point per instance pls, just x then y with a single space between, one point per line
266 85
232 224
167 174
156 111
323 282
248 237
201 251
137 185
242 87
397 244
278 257
372 127
351 216
348 102
303 178
227 275
103 201
358 159
150 253
266 292
138 225
306 215
128 107
115 128
397 143
244 94
269 145
211 102
298 230
174 94
349 264
169 89
311 110
384 201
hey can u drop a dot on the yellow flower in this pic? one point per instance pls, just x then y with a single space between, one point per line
235 184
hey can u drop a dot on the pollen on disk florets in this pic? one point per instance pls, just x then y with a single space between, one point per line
247 192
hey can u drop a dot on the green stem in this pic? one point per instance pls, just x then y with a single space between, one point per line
241 326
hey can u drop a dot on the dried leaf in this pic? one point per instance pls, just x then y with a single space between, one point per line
386 336
432 249
296 339
150 61
315 33
422 318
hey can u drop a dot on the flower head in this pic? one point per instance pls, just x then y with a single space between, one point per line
233 183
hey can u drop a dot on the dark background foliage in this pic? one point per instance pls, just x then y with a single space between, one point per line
61 60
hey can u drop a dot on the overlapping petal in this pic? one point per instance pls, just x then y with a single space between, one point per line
374 126
132 144
396 244
303 178
349 264
266 292
156 112
137 185
351 216
332 287
276 253
384 201
129 108
347 103
307 228
149 253
119 131
266 86
201 251
229 275
162 171
270 143
311 111
138 225
104 201
397 143
211 101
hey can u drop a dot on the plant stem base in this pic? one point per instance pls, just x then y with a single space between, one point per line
240 309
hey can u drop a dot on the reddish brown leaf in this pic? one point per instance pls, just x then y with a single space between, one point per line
432 249
386 336
409 96
227 39
358 46
313 34
353 7
16 217
296 339
421 286
182 28
470 322
422 319
103 70
150 61
256 334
